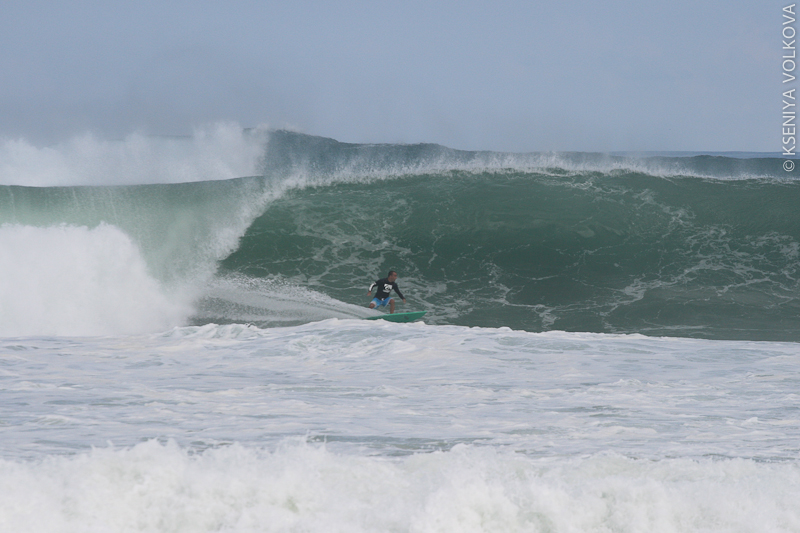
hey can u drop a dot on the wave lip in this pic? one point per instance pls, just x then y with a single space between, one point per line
319 160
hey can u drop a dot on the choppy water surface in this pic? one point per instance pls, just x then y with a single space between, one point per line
610 343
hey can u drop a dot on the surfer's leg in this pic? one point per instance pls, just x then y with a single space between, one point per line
391 305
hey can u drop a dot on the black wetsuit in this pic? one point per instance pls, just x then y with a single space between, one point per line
384 288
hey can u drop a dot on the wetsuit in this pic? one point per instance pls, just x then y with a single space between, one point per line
384 288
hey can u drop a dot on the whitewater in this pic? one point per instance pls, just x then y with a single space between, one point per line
611 341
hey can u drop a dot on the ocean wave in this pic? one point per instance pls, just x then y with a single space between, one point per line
623 253
579 242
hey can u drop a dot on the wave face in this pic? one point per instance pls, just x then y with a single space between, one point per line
693 246
703 246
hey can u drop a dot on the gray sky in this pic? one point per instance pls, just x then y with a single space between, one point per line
500 75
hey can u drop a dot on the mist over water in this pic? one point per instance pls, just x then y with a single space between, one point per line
214 152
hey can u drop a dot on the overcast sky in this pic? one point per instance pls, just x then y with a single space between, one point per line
499 75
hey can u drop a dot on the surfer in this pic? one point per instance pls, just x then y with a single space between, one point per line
385 287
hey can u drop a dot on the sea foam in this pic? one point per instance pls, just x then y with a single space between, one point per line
72 280
302 487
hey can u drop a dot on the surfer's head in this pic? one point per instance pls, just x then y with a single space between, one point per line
391 276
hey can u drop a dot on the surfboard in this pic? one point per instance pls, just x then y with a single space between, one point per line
398 317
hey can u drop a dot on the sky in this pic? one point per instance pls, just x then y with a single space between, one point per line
515 76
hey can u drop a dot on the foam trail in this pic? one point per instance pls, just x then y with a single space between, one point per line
69 280
213 152
268 302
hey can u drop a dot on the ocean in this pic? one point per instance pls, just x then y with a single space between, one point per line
612 341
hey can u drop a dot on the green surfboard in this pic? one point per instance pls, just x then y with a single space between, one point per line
398 317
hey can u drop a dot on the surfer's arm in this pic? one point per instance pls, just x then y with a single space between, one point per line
372 287
397 290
